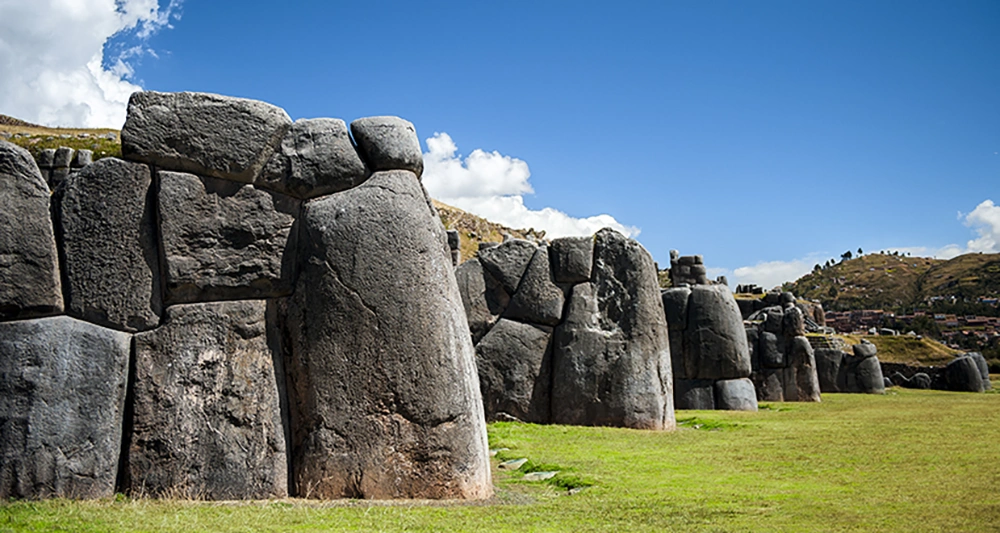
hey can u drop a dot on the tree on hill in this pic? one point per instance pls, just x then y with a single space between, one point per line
846 255
860 252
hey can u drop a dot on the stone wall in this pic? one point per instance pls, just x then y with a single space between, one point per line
841 371
572 332
708 345
967 372
243 307
783 361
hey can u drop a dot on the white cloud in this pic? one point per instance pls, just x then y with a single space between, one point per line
492 185
771 274
985 218
53 65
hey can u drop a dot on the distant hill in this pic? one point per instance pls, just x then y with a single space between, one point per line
11 121
883 281
103 142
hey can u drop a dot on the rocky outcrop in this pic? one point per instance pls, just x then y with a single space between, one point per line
106 227
384 395
29 265
62 396
204 134
224 240
206 421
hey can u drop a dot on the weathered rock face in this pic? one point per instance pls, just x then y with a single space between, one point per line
611 362
735 395
984 369
828 368
106 228
785 364
714 341
206 420
862 372
803 362
224 240
388 143
316 158
482 295
537 299
962 374
62 394
382 379
205 134
508 261
514 363
572 259
29 266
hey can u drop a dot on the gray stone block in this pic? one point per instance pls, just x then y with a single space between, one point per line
63 157
483 297
962 374
47 158
29 265
695 394
207 421
316 158
383 385
388 143
675 304
82 158
62 398
803 362
224 240
106 227
508 261
204 134
828 368
735 395
715 341
538 300
515 371
771 353
572 259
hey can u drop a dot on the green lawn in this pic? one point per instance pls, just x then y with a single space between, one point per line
905 461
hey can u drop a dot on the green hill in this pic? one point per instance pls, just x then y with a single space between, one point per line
883 281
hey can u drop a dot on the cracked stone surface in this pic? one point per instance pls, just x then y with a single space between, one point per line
383 389
207 421
515 371
62 395
538 300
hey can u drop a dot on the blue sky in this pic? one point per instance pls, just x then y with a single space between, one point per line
767 136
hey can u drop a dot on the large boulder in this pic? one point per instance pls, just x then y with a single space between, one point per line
803 364
828 368
515 371
207 422
611 360
316 158
388 143
675 303
508 261
29 265
984 369
62 398
962 374
572 259
771 351
769 385
694 394
205 134
715 341
863 374
224 240
383 387
483 297
735 395
107 229
537 299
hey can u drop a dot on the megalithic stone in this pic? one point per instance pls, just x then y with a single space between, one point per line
384 394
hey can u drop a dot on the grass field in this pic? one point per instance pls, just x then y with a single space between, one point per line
906 461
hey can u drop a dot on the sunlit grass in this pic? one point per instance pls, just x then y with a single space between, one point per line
905 461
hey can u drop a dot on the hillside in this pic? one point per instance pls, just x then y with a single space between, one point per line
103 142
474 230
882 281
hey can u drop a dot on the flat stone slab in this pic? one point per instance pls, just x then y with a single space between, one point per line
62 398
207 421
224 240
201 133
29 266
540 476
513 464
